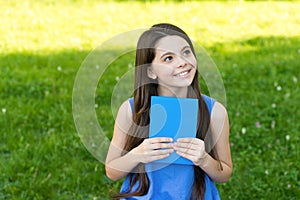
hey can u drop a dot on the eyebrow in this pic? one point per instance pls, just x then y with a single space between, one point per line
171 53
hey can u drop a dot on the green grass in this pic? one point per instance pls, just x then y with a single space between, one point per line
256 46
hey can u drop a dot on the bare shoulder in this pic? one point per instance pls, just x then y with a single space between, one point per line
219 121
218 112
122 124
124 111
124 117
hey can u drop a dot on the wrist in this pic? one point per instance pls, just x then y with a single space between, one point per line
133 157
203 162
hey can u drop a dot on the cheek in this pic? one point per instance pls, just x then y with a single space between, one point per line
165 69
194 64
193 61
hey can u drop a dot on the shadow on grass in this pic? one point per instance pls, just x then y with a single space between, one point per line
44 157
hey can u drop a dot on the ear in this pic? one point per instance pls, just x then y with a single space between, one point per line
150 73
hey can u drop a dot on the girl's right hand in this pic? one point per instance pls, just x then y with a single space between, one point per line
152 149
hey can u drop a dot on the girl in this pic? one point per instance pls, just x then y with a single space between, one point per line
166 66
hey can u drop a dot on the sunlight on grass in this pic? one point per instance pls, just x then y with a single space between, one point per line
43 26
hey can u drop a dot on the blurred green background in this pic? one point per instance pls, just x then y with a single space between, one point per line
256 46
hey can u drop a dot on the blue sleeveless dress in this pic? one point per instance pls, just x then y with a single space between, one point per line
172 181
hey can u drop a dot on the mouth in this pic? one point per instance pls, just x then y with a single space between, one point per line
183 74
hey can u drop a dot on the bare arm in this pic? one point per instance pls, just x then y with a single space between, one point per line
118 166
220 171
194 148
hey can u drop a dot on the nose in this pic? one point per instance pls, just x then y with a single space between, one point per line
181 62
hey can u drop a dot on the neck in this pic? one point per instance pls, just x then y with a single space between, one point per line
172 92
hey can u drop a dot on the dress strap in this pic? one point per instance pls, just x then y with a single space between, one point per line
131 103
209 102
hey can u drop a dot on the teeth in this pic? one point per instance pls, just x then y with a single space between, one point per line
183 73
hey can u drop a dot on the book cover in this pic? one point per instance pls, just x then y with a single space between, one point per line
175 118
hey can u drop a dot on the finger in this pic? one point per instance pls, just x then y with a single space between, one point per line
160 157
150 158
189 140
162 146
160 140
184 139
186 151
183 145
162 152
188 146
187 156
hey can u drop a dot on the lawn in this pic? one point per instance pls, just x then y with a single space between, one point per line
43 44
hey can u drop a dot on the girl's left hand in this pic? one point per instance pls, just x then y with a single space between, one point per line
191 148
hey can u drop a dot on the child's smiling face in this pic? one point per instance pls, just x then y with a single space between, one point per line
174 64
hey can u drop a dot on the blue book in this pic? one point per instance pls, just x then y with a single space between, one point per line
175 118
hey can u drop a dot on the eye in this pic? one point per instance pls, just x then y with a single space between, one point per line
186 52
168 58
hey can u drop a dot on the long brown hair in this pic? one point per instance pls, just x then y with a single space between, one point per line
144 88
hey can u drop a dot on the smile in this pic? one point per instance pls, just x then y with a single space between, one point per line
183 74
